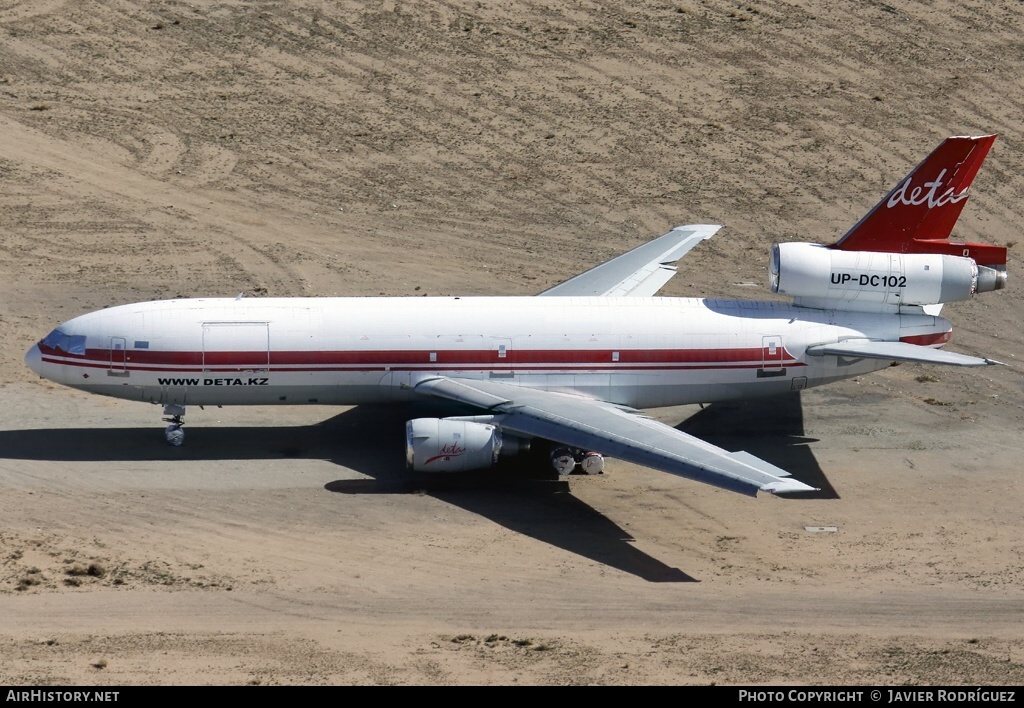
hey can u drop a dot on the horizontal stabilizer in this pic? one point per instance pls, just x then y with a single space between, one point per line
641 272
897 351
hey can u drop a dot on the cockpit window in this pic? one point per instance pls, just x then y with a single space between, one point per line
70 343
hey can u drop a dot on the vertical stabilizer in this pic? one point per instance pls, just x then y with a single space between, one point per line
918 215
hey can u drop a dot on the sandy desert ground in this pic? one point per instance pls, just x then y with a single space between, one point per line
163 148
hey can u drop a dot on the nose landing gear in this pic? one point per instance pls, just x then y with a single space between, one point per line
175 415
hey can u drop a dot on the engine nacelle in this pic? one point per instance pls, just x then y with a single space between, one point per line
451 445
818 276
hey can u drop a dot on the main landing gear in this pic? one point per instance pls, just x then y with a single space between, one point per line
565 460
175 415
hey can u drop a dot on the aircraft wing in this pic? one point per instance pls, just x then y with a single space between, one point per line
896 351
641 272
619 432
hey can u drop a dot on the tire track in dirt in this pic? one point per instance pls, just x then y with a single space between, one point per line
210 213
30 8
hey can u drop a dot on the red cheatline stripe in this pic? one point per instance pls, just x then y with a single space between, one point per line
377 358
429 367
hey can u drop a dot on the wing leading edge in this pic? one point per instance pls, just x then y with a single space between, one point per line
627 435
641 272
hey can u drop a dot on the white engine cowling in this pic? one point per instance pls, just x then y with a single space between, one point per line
442 445
818 276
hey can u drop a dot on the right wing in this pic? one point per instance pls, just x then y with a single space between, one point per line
641 272
623 433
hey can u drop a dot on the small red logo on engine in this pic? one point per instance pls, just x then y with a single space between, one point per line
447 451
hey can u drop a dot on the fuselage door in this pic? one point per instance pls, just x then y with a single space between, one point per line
771 348
118 345
500 363
771 354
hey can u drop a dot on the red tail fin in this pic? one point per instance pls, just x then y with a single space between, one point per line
918 215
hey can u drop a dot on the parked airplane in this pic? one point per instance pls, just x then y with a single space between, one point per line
574 365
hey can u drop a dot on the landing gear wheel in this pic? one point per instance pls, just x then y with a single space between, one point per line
567 460
175 415
592 463
563 461
174 434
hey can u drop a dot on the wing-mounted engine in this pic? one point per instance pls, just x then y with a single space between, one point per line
823 277
456 445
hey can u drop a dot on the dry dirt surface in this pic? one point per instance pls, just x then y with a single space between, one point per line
159 149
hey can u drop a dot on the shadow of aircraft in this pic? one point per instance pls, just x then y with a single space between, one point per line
769 428
523 495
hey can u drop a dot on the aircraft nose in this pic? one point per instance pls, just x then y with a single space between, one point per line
34 359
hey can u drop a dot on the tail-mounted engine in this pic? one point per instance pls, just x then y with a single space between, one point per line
900 253
824 277
456 445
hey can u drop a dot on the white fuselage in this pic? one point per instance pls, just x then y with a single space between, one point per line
639 352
